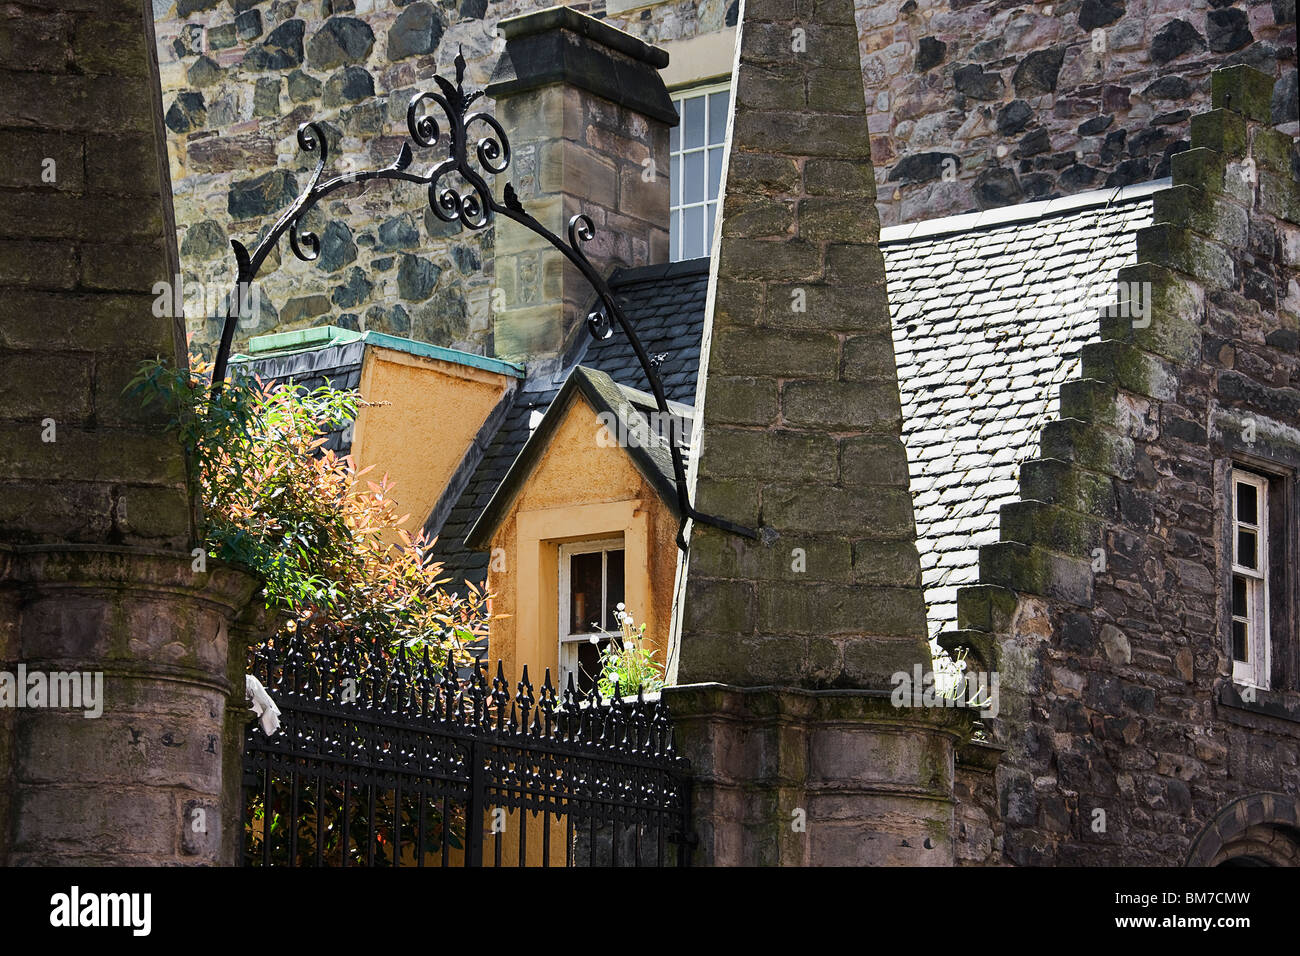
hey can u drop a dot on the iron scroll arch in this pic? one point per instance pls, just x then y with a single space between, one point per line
473 206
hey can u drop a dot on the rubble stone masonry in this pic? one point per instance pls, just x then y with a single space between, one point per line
971 105
1106 605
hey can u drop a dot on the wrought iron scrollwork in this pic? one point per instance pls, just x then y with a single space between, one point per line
472 205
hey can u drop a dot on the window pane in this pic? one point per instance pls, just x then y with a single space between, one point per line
693 177
693 122
675 235
1246 548
1240 606
614 589
718 116
1240 646
710 217
1247 503
675 180
589 664
584 592
715 172
693 232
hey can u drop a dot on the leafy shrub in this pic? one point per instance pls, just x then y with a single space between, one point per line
328 542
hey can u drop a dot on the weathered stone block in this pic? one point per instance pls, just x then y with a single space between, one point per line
838 220
804 134
1243 90
1172 307
742 401
757 352
722 607
890 564
1058 482
791 455
878 512
1035 570
776 174
37 265
985 607
31 159
1129 368
872 460
1221 130
1184 251
1097 449
734 499
843 406
341 40
758 217
1039 523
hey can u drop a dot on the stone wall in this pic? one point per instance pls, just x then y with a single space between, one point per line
973 104
239 76
85 229
97 580
1106 605
982 104
789 641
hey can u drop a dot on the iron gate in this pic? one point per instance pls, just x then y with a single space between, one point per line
388 760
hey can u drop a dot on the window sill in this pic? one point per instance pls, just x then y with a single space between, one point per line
1271 703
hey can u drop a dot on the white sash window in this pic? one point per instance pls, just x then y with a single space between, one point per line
1249 598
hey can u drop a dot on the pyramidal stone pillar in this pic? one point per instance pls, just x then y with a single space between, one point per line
788 645
121 665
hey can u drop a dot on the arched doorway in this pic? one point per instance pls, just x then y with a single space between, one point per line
1261 829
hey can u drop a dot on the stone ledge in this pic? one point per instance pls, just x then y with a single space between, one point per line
980 755
560 45
783 703
1281 705
80 565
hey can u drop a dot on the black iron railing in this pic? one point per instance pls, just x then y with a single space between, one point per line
389 760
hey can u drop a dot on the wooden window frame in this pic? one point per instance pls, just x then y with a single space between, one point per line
676 205
1255 671
568 643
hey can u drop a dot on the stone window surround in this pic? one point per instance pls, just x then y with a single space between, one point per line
1280 463
1256 575
538 536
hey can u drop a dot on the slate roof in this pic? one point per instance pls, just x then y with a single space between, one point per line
630 406
990 312
336 365
665 303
